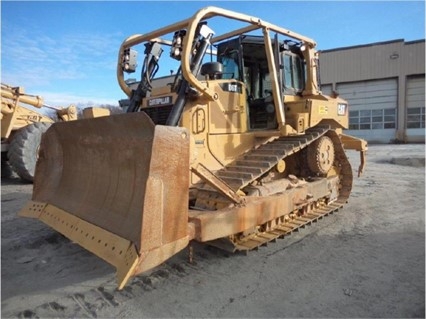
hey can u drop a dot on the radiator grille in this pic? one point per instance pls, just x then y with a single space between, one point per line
158 114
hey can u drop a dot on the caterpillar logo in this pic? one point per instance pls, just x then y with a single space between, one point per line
33 118
341 109
164 100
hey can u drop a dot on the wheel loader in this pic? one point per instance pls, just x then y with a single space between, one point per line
22 128
238 149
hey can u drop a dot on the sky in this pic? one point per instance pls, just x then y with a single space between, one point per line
67 51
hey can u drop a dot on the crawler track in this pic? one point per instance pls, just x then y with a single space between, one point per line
255 164
290 224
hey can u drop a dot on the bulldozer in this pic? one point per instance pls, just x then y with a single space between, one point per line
22 128
239 149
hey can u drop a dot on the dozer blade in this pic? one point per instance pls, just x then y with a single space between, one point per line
116 185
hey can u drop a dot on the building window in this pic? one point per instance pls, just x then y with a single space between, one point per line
416 117
373 119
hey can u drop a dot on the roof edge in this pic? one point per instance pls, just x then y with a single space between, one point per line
371 44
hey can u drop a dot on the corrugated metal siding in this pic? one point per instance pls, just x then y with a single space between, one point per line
375 61
413 58
326 89
360 63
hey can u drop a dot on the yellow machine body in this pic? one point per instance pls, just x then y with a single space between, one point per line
14 115
233 159
22 125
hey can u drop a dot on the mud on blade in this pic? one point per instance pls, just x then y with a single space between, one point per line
116 185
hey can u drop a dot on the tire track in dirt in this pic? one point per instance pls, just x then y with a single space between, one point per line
87 304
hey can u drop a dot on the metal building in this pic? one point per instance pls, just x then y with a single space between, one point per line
384 84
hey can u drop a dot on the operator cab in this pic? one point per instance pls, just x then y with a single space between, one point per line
244 59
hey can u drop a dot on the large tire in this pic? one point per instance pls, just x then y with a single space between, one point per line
23 149
6 170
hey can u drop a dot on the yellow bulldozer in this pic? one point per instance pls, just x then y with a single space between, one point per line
22 128
239 149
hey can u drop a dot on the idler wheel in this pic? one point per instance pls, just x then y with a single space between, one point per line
321 155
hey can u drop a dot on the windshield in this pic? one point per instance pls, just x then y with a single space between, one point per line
229 61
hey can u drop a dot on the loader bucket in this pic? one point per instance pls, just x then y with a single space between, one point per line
116 185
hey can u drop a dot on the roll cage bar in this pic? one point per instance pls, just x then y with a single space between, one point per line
191 24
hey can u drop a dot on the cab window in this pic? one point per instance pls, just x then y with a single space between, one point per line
293 73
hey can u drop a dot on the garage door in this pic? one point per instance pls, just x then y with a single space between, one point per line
415 102
372 109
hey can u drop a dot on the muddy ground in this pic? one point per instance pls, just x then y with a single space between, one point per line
366 260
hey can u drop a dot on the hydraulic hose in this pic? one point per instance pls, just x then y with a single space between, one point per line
153 52
177 109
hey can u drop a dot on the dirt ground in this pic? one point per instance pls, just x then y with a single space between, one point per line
366 260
